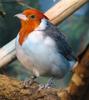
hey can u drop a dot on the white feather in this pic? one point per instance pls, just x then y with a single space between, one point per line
42 25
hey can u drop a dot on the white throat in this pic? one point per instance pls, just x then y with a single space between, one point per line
42 25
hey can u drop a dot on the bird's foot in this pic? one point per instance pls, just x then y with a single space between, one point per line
29 82
49 84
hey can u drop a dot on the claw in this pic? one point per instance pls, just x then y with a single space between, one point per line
49 84
29 82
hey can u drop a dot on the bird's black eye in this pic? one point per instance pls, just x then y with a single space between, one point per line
32 16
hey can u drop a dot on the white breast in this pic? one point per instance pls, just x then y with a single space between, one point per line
39 54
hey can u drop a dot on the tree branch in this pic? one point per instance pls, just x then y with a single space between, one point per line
80 80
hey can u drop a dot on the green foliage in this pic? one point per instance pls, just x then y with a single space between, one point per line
8 24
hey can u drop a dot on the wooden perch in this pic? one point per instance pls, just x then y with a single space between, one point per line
11 89
80 80
56 14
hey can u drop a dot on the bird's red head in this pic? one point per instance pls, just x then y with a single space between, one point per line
30 19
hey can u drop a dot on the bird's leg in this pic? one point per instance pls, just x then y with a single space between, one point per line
49 84
30 81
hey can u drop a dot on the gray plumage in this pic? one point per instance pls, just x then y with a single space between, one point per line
61 42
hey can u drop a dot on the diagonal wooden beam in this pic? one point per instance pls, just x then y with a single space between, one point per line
56 14
64 9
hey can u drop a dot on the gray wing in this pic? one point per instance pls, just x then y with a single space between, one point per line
61 42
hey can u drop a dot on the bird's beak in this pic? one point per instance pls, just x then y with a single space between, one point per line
21 16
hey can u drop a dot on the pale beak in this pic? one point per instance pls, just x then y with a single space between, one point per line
21 16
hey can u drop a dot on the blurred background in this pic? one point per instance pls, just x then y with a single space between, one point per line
76 29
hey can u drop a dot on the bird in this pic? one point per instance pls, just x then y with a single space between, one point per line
41 47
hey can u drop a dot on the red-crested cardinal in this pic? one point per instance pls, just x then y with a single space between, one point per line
41 47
